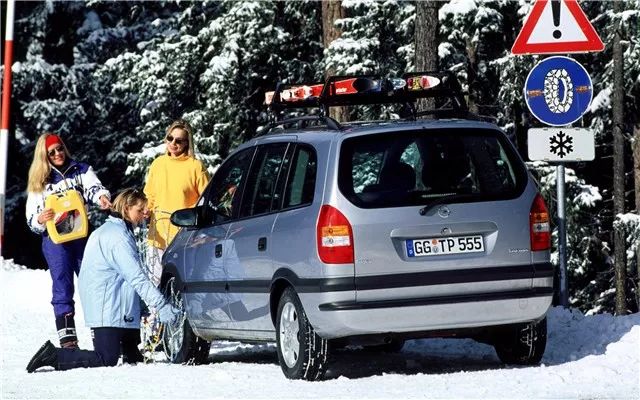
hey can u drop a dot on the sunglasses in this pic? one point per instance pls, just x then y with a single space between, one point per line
178 141
52 152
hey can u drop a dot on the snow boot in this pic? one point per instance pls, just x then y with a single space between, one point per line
46 356
67 331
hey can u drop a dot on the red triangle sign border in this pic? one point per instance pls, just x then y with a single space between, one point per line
592 44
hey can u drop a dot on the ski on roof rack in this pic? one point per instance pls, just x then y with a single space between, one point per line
371 89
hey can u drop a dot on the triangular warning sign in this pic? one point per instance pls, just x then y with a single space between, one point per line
557 27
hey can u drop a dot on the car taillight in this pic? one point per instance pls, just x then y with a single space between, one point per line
539 225
334 237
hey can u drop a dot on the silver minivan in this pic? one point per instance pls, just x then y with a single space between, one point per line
365 234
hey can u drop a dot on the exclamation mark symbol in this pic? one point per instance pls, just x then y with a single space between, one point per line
555 9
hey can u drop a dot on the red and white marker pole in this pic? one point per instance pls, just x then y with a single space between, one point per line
6 101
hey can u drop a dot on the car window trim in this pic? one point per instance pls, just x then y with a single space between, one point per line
312 151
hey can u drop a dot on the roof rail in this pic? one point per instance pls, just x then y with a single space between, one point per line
302 122
370 89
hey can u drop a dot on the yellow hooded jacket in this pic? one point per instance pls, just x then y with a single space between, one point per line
173 183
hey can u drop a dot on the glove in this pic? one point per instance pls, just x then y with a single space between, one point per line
168 314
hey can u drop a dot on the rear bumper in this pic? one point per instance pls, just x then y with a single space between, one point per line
345 318
439 300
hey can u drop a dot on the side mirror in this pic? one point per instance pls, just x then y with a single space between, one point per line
187 217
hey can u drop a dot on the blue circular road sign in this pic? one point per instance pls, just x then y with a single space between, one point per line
558 91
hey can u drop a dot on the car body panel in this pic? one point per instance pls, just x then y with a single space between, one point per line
384 290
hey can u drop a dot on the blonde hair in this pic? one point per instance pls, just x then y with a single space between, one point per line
185 126
40 166
127 198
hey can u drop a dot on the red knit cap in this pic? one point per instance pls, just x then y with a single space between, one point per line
52 139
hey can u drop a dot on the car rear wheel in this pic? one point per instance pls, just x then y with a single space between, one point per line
180 344
522 344
301 352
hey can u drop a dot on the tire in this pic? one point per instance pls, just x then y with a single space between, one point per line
301 352
522 344
180 344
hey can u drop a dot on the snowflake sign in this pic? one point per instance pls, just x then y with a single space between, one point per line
560 144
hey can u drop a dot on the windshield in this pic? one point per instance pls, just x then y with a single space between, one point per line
415 168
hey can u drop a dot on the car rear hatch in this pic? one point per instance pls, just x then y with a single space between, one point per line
438 215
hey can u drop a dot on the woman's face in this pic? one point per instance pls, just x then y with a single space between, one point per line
56 154
177 142
137 213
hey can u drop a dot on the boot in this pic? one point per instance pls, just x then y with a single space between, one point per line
67 331
46 356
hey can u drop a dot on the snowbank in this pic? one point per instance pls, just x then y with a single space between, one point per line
587 357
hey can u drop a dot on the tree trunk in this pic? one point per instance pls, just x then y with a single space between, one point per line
472 67
331 11
618 169
636 179
426 42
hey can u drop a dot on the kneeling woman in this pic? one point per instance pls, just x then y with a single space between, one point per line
111 283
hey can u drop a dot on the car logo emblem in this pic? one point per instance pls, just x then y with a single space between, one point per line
444 211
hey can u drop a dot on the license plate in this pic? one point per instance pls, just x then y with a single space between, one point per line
444 245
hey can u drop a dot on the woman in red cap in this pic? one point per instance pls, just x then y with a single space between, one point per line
53 171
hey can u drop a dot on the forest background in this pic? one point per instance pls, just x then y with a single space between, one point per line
110 77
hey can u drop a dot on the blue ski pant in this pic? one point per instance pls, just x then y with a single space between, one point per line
64 260
108 344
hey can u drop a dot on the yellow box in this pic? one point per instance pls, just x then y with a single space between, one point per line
70 221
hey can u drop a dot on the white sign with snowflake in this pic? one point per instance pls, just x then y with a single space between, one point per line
561 144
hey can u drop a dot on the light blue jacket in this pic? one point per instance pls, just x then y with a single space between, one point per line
112 280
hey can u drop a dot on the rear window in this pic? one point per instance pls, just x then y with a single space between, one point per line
414 168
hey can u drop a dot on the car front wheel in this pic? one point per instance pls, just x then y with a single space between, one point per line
180 344
301 352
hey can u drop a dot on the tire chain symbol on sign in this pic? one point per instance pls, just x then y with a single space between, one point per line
558 91
561 144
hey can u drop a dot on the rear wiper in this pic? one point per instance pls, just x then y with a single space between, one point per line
447 199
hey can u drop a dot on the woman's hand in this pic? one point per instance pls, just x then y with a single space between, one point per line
46 215
104 201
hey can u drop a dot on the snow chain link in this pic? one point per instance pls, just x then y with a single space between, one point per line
151 329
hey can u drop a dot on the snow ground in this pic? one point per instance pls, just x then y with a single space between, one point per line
587 357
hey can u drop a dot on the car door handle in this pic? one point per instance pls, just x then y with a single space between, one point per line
262 244
218 250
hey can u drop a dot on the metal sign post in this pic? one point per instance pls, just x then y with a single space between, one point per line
562 238
4 128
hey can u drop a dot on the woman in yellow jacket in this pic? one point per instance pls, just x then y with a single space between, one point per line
175 180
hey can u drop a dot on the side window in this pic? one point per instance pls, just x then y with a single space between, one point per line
220 199
261 184
302 178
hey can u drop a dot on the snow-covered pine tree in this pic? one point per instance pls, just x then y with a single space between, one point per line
376 38
472 35
48 94
599 119
153 81
588 264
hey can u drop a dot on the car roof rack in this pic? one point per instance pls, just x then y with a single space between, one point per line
371 89
303 122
